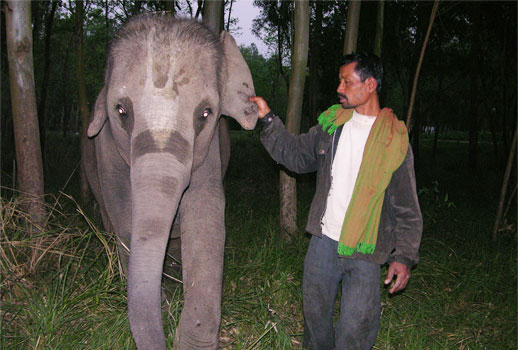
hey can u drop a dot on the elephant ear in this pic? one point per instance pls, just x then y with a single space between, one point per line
238 85
99 115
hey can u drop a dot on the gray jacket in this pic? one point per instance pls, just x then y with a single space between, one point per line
400 227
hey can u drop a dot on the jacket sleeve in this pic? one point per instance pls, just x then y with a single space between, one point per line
295 152
408 222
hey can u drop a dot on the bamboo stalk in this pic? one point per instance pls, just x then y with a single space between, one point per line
419 64
503 192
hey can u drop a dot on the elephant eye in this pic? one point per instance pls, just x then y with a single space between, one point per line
206 112
121 111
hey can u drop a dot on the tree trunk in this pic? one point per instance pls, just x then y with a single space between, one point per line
288 198
214 19
351 32
229 15
200 8
314 63
213 15
474 88
38 10
274 87
25 118
397 47
505 90
378 42
65 116
46 72
503 192
280 57
421 57
169 6
82 93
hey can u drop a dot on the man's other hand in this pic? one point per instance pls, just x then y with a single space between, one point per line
263 108
403 275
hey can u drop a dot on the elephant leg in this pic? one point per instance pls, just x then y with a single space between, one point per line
123 243
174 244
112 191
174 255
203 238
172 265
172 261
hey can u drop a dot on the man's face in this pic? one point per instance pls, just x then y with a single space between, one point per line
352 92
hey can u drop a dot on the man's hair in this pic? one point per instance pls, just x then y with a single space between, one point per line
368 66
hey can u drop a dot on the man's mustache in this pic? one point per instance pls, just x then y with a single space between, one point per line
342 96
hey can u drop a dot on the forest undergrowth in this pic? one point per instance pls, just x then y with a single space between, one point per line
65 288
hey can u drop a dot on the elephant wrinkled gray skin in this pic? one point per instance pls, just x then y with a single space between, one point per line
153 156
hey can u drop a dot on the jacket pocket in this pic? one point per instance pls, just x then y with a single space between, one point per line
323 146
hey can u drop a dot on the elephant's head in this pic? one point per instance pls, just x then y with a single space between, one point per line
167 82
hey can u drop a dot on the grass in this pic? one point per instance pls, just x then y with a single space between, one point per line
462 295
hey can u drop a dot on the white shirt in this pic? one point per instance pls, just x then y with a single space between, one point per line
345 169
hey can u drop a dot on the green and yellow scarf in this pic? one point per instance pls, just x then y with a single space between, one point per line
384 152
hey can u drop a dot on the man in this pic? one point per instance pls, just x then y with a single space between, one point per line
365 211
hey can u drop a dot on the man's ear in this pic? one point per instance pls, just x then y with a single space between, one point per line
371 84
99 115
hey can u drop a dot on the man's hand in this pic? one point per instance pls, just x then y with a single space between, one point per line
263 108
403 275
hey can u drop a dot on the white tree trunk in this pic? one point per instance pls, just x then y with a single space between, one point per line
25 118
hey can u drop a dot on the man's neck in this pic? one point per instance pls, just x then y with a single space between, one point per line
371 107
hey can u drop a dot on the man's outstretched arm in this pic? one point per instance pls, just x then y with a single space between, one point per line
295 152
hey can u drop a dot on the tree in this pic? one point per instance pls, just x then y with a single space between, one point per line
378 41
314 64
229 20
474 86
82 92
421 57
503 192
25 118
351 31
169 6
213 15
46 72
214 19
274 26
288 199
200 7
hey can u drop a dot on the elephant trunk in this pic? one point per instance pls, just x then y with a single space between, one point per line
158 181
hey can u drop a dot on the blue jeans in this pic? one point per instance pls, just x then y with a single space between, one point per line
358 321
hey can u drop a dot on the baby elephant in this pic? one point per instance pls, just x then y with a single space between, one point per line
153 157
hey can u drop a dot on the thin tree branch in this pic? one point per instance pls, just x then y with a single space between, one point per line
503 192
421 57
